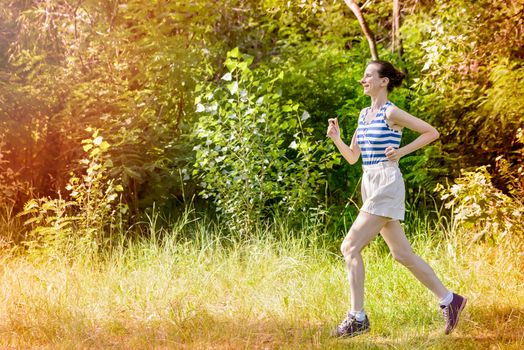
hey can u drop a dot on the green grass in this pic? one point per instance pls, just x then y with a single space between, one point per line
197 289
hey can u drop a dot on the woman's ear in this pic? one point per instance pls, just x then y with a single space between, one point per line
385 81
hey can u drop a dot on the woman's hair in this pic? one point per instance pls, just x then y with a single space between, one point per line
386 70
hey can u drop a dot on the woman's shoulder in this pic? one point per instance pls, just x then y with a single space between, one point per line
391 111
391 108
389 105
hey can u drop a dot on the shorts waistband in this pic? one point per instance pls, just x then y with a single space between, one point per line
381 165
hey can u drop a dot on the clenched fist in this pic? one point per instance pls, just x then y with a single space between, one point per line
333 130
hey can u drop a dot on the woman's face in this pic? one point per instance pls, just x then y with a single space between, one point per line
371 81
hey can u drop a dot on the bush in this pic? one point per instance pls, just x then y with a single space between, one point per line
254 151
481 211
60 225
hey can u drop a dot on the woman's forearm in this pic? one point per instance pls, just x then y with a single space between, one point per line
419 142
347 152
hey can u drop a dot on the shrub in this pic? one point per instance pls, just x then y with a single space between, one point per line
254 151
66 225
481 211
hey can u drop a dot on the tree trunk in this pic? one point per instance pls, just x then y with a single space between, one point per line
365 28
395 35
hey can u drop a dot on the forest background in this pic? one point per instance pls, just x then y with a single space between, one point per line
123 120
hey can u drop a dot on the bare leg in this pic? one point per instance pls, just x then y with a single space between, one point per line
364 229
402 252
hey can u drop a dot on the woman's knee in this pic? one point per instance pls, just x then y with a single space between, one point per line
406 258
349 249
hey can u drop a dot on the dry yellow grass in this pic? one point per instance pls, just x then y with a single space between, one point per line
258 294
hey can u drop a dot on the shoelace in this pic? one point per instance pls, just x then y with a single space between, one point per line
348 321
445 313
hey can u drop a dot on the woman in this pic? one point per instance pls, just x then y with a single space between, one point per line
377 139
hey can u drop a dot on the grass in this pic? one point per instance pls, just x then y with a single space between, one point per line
198 289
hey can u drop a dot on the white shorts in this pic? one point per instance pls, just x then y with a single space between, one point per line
383 191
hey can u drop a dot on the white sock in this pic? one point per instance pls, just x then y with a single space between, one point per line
447 299
359 315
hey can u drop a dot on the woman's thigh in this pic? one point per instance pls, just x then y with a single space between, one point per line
396 239
365 227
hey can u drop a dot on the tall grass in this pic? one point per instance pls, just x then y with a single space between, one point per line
191 286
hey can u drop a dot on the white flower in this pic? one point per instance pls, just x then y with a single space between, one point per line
233 88
200 108
98 141
227 77
243 95
305 116
293 145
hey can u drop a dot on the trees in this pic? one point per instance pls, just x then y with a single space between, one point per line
131 70
470 84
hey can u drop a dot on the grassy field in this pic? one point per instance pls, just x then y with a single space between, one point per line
275 290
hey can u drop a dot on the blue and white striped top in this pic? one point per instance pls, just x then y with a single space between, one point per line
374 137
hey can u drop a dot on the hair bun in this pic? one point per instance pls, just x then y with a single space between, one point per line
398 78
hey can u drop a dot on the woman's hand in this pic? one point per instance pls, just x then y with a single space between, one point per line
393 154
333 130
350 153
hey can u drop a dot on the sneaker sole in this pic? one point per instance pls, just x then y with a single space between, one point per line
354 334
458 314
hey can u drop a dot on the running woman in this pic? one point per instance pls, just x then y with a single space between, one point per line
377 140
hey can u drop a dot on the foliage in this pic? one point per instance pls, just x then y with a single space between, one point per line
119 67
10 184
482 210
131 68
469 56
254 152
59 226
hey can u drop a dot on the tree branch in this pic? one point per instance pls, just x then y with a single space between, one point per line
365 28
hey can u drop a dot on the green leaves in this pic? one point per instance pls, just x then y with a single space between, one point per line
57 225
251 148
470 87
481 208
159 79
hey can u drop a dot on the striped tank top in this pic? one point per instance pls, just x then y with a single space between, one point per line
374 137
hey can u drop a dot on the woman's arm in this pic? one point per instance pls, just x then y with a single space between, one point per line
398 118
350 153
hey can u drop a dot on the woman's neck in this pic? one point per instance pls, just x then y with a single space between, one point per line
378 101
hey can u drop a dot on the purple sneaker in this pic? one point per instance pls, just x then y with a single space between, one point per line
452 312
350 327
